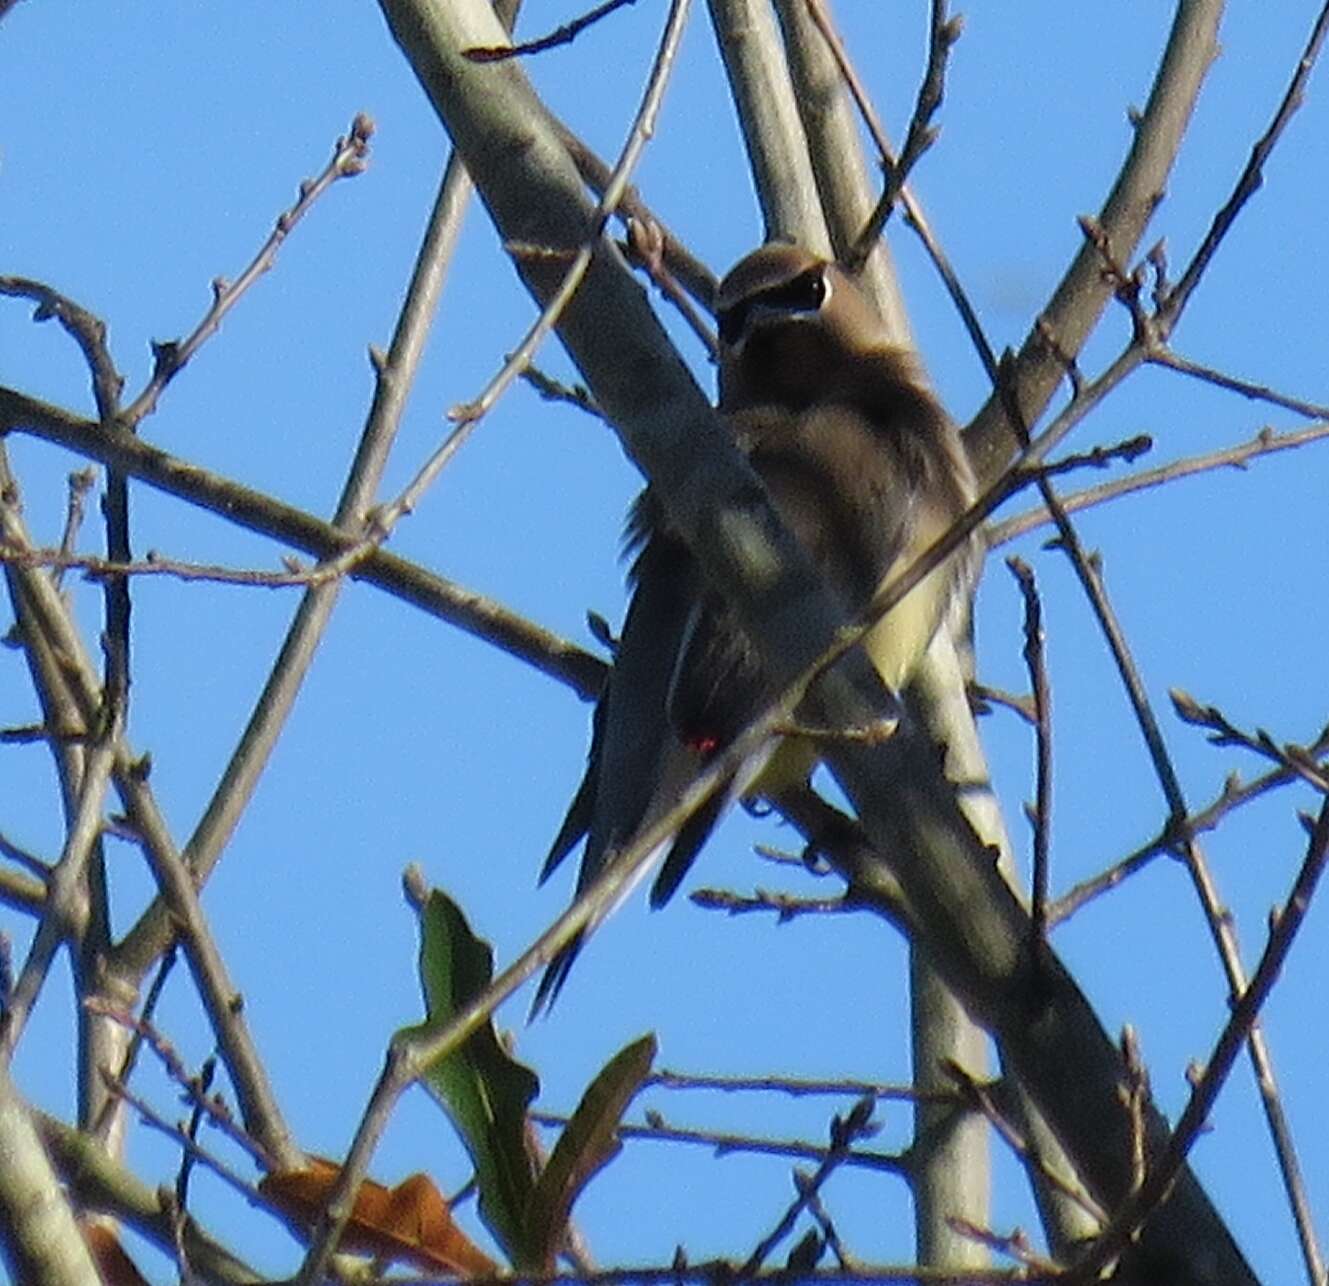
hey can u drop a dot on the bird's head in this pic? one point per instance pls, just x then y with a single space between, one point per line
790 325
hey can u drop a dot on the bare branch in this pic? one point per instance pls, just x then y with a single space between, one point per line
186 1143
1079 299
1162 1171
785 906
384 518
1232 796
794 1086
194 1087
695 277
943 33
863 245
723 1144
398 1071
66 905
86 329
561 35
268 516
845 1131
1298 760
100 1183
81 481
1249 182
1256 392
1266 442
1041 817
395 372
980 1098
348 159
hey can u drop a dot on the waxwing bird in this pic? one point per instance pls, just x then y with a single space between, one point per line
865 469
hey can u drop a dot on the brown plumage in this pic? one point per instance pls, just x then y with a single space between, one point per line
866 470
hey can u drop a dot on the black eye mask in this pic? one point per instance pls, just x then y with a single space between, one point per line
803 294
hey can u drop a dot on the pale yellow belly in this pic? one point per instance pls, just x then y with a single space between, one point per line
894 645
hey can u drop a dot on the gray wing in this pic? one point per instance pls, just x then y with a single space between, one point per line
633 748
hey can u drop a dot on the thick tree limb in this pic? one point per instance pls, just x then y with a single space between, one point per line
976 929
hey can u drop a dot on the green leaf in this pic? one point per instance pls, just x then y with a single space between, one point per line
482 1088
588 1143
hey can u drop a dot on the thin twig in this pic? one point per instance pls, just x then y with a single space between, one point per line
23 894
81 481
349 157
385 517
830 1235
562 35
1247 389
794 1086
86 329
785 906
943 32
1099 457
158 1122
89 332
197 1116
66 908
1014 1244
656 1130
552 390
682 265
102 1124
1035 658
843 1133
978 1097
1163 1171
1301 761
100 569
1135 1091
982 694
30 733
648 248
194 1088
913 209
1266 442
1252 177
1232 796
258 512
29 861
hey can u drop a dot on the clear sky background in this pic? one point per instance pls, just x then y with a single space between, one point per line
146 149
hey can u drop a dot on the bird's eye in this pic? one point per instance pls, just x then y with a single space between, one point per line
805 293
802 294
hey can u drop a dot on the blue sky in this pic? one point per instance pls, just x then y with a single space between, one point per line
147 149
